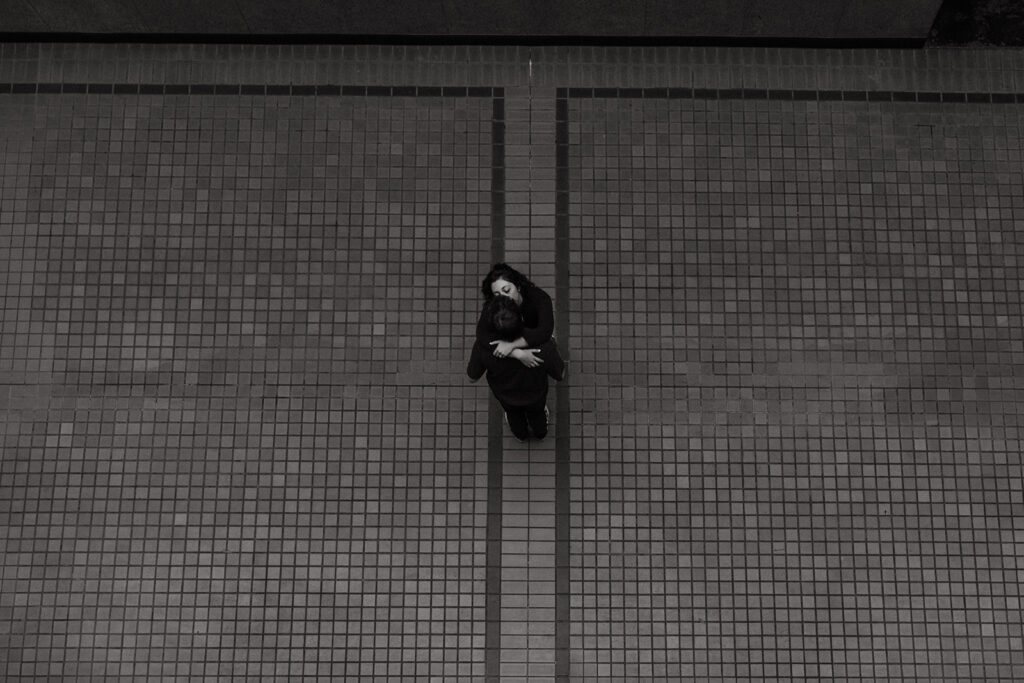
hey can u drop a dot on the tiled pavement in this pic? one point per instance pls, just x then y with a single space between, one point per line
239 293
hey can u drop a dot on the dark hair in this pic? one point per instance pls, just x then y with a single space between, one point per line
504 317
503 271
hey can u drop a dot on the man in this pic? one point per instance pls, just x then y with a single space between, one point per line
522 391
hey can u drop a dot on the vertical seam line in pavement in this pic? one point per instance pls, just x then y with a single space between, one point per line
492 610
562 443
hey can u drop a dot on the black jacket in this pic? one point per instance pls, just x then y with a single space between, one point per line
512 382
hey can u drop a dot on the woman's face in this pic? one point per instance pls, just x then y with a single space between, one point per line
502 287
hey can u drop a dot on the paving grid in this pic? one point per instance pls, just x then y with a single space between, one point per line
797 331
242 462
980 82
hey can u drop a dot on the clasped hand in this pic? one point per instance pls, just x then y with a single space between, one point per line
528 357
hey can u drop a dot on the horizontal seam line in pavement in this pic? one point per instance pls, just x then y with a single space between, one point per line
797 95
250 89
334 90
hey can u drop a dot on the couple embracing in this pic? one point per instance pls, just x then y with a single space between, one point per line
515 347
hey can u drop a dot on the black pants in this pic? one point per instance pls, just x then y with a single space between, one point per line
524 420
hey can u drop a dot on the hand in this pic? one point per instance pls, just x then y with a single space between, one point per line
528 357
503 349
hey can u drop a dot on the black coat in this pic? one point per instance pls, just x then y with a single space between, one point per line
512 382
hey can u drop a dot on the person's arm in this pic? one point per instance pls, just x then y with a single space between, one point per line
475 369
527 357
541 334
502 348
555 365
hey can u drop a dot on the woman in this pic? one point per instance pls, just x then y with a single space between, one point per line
535 307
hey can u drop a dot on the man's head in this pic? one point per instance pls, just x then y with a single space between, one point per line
505 318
